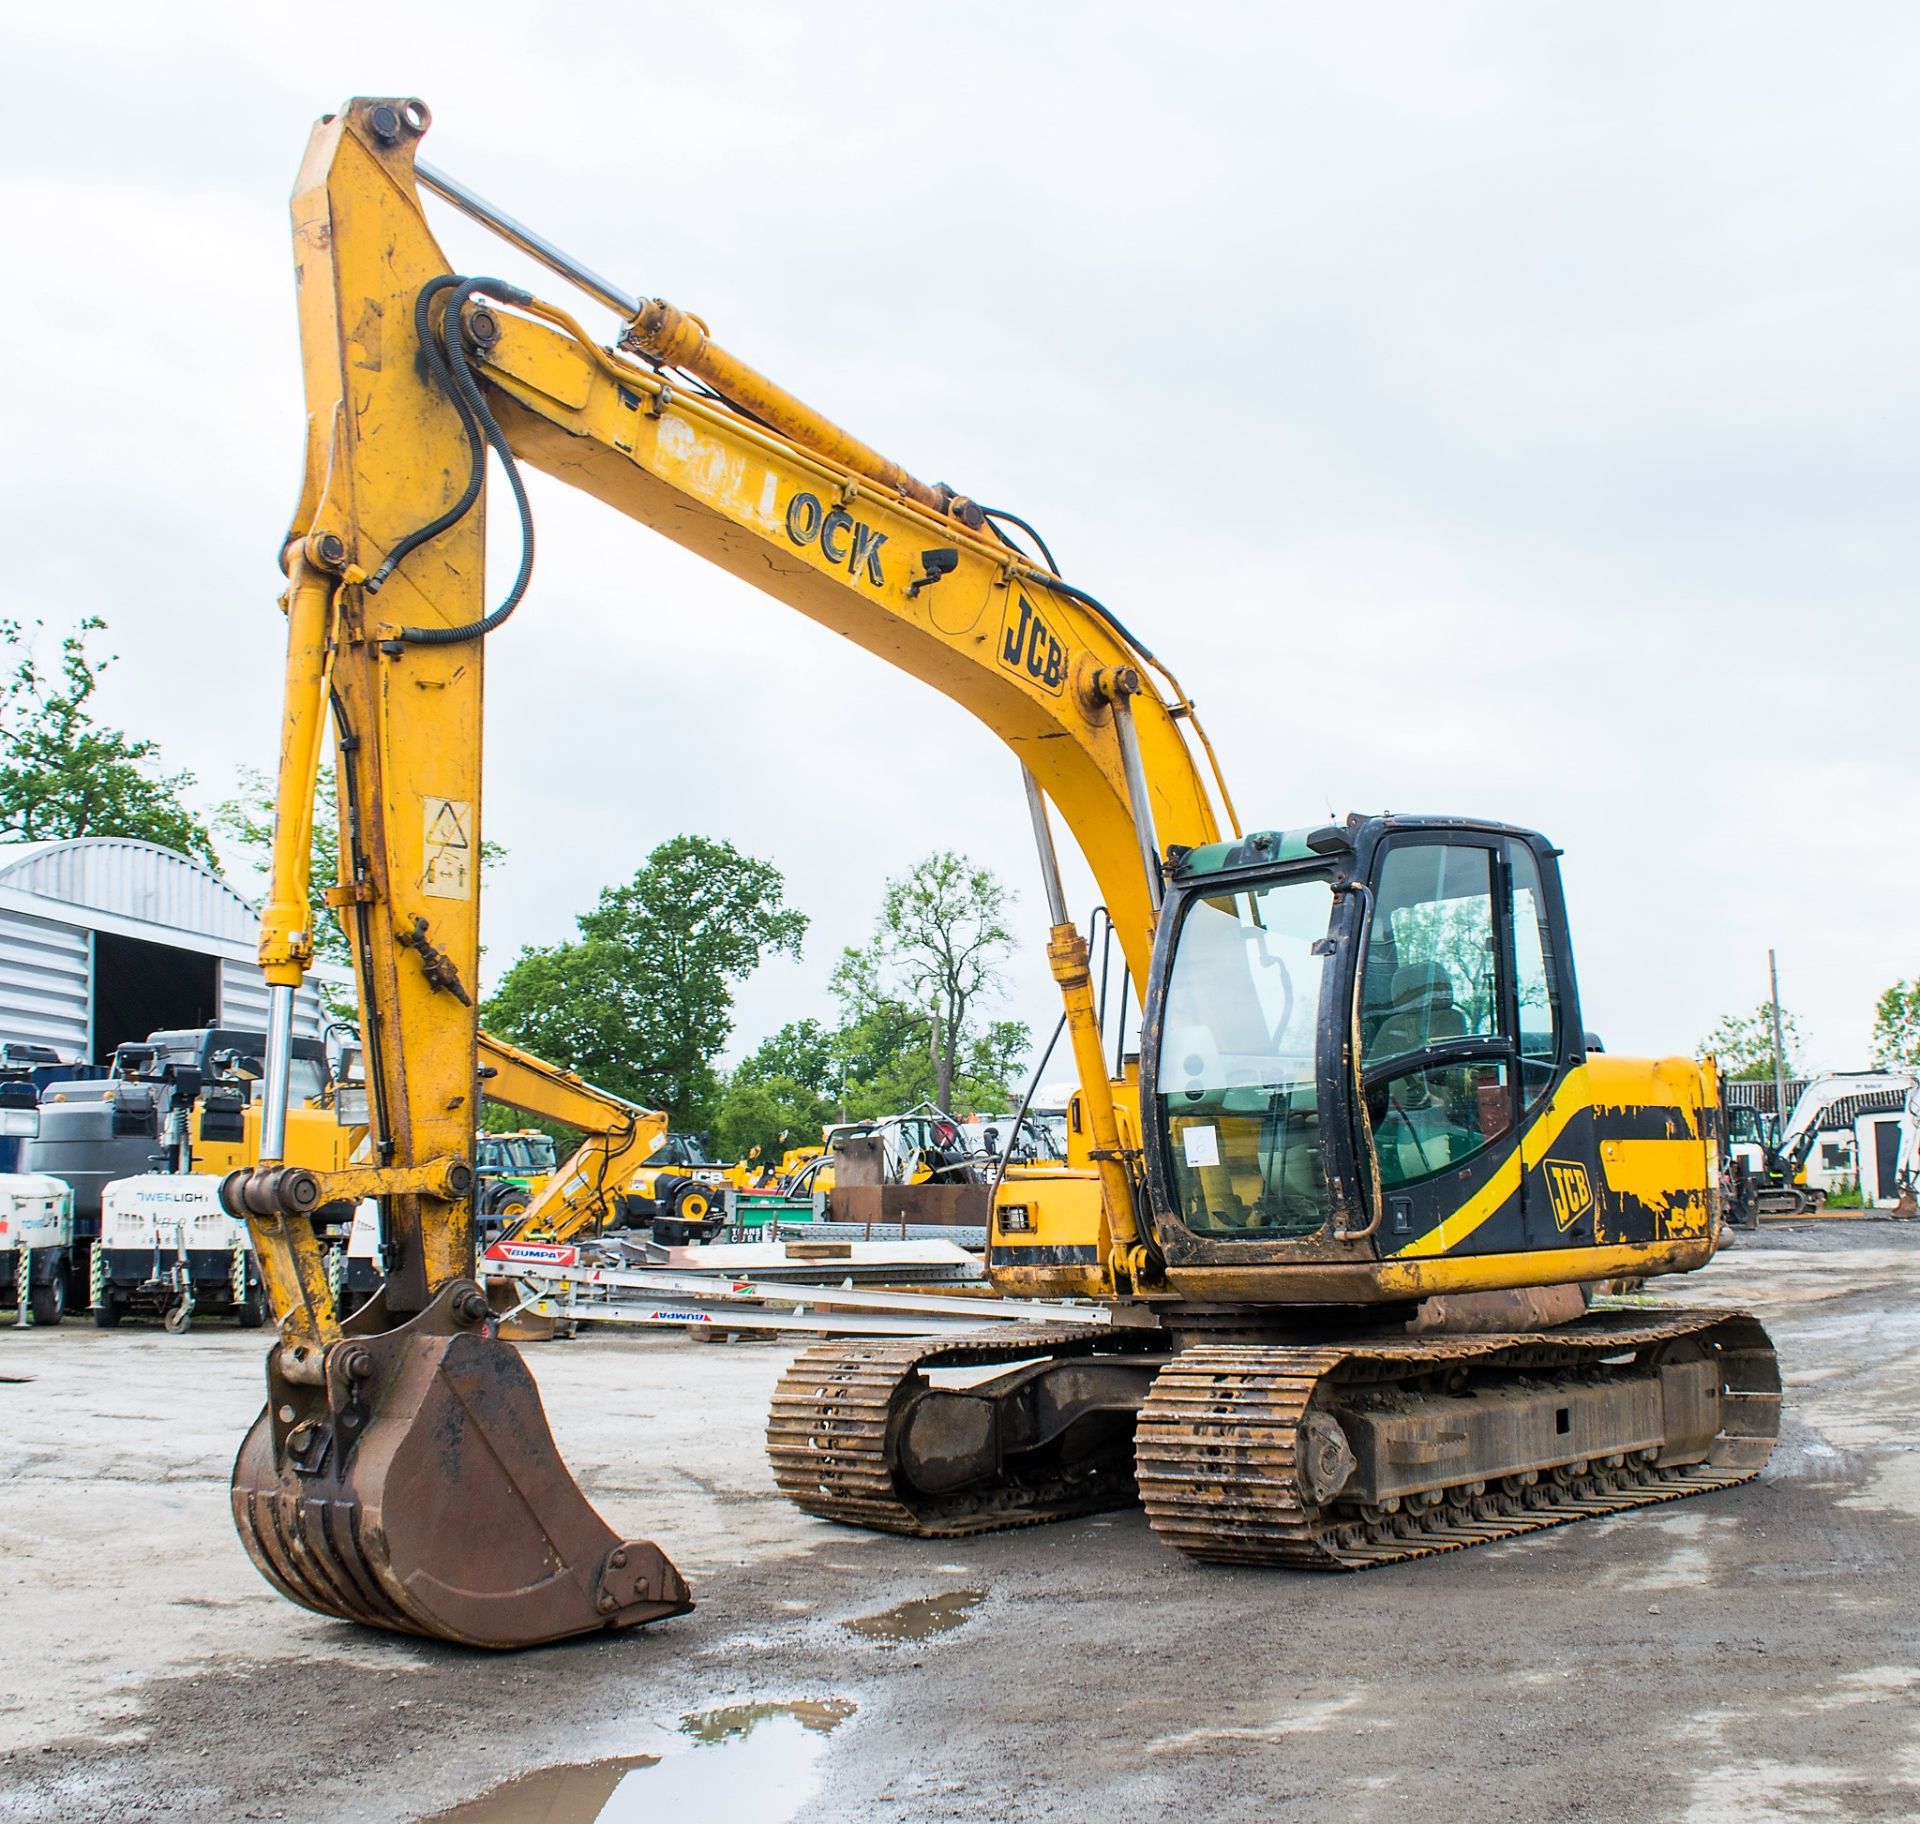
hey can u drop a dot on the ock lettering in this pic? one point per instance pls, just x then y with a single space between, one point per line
1029 645
842 538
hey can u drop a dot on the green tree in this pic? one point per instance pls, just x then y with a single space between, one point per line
62 774
766 1115
642 1001
1896 1027
1743 1044
1457 934
779 1095
801 1052
914 999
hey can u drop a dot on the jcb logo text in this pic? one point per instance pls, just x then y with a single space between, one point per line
1029 646
1570 1191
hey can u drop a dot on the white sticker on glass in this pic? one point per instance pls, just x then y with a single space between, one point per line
1202 1145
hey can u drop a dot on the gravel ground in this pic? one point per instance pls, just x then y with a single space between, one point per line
1748 1655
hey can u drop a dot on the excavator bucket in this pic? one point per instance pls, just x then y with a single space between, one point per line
405 1477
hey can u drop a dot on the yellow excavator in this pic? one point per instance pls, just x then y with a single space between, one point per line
625 1155
1342 1217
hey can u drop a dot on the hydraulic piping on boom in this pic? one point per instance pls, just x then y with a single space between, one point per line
1344 1209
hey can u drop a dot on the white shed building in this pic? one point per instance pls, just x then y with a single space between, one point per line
105 939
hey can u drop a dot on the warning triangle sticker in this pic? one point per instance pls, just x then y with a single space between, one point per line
444 828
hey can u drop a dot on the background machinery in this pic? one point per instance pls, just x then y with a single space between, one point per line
617 1176
1847 1130
1343 1214
627 1172
177 1102
511 1168
42 1260
183 1099
167 1248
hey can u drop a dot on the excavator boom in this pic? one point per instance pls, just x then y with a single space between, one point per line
620 1138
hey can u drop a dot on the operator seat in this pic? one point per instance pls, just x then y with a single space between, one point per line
1376 985
1423 1013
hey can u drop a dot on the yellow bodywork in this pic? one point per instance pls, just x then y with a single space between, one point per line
315 1139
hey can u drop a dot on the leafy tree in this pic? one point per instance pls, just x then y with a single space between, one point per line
1743 1044
995 1059
766 1115
1896 1027
246 821
64 775
801 1052
1457 934
643 999
780 1095
882 1047
914 999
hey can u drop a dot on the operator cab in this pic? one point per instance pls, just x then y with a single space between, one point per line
519 1156
683 1149
1354 1024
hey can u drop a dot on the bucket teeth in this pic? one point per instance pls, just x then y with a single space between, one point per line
422 1492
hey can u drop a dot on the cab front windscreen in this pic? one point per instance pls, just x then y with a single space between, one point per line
1236 1078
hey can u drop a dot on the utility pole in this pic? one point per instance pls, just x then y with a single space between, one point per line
1779 1052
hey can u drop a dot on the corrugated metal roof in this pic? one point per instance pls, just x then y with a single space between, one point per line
1750 1092
128 879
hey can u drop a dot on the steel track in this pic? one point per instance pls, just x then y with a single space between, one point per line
1216 1441
831 1431
1214 1450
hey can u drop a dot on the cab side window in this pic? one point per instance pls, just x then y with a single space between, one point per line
1431 976
1430 973
1533 977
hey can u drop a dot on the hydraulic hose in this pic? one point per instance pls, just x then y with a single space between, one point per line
1026 1102
1014 519
447 361
467 388
437 365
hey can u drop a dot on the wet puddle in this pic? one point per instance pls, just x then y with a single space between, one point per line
920 1619
749 1764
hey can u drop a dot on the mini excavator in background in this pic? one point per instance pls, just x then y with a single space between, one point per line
1342 1218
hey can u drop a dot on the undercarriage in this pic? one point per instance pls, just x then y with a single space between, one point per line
1335 1451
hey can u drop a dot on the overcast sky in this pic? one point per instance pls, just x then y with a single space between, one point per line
1494 409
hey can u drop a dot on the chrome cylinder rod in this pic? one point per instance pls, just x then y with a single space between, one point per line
276 1085
468 202
1141 804
1049 856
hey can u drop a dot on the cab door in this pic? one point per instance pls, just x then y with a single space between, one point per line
1469 1023
1560 1149
1440 1064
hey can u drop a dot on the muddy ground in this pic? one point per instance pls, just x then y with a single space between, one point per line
1748 1655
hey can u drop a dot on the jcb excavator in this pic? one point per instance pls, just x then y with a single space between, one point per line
1343 1218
